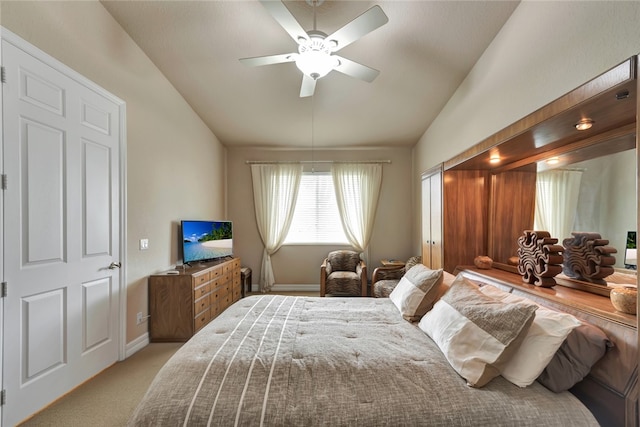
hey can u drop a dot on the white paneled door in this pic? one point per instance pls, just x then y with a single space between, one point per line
61 230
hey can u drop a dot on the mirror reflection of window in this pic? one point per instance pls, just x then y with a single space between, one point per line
631 251
606 199
557 194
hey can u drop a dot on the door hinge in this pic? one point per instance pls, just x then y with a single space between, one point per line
4 181
3 76
3 290
3 397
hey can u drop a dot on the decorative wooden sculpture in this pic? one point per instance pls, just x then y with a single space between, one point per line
587 257
540 258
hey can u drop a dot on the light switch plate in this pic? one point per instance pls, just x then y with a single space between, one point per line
144 244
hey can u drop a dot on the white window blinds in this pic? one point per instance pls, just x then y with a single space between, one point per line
316 218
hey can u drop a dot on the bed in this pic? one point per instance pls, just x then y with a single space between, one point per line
283 360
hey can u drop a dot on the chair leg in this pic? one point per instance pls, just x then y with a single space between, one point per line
364 281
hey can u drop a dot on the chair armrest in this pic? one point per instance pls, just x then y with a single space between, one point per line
326 266
392 272
323 276
361 269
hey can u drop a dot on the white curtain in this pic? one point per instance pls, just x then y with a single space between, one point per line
275 190
556 202
357 187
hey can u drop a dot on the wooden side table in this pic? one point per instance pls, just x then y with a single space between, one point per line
245 275
392 263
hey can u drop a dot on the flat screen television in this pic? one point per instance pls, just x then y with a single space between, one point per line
206 240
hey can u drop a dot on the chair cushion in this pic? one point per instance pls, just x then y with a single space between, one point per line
343 283
383 288
343 260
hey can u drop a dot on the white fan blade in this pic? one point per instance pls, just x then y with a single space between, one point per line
268 60
356 70
308 86
280 13
363 24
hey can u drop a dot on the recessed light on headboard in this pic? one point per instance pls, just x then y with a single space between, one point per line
584 124
553 160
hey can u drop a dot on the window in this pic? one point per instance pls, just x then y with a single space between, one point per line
316 218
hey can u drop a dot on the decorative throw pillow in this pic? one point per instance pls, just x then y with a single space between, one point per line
416 291
584 346
476 333
546 334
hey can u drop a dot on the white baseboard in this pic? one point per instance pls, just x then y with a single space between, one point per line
290 287
136 345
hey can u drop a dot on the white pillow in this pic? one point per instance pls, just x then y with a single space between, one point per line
416 292
476 333
546 334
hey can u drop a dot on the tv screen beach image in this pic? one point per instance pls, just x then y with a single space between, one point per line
203 240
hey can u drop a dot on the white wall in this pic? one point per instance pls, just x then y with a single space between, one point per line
298 264
546 49
176 166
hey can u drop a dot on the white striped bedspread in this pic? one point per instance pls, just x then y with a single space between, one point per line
294 361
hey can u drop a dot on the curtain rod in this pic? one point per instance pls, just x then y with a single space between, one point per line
259 162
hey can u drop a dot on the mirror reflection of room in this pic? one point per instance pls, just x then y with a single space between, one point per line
596 195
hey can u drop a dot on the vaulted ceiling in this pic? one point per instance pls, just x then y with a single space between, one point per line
423 53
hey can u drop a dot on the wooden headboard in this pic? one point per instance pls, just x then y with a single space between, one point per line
610 391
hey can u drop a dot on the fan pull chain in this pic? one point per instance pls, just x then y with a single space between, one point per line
312 133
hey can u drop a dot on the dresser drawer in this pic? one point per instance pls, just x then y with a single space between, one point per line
200 279
237 293
201 291
201 304
215 273
219 293
225 301
201 320
215 311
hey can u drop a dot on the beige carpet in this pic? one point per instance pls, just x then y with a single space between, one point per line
108 399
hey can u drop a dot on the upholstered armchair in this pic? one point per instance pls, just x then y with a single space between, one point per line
343 273
385 279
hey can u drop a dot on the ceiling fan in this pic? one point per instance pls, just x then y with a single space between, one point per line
316 50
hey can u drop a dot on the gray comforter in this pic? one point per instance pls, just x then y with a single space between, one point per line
291 361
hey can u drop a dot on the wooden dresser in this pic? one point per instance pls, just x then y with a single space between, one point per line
181 304
610 391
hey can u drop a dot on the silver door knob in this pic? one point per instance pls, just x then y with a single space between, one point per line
114 265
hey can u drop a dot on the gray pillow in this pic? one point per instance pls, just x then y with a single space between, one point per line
584 346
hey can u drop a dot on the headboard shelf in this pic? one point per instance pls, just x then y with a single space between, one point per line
587 302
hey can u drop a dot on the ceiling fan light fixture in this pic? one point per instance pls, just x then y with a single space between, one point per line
314 58
316 55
